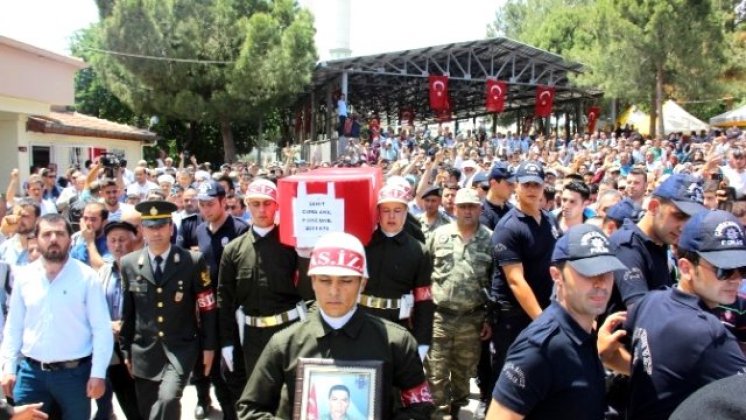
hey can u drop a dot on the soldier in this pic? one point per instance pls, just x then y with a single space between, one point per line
257 292
338 330
166 287
462 266
432 218
399 285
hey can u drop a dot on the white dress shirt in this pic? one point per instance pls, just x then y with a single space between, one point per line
60 320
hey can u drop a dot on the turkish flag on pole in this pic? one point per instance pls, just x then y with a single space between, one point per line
544 100
593 113
497 91
312 409
438 92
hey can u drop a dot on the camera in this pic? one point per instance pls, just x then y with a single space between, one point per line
111 164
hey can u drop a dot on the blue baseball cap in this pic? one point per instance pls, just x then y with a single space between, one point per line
624 209
587 250
684 191
530 171
717 236
500 170
480 180
210 190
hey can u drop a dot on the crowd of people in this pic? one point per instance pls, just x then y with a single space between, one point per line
590 276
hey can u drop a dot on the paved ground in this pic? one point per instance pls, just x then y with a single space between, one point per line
189 401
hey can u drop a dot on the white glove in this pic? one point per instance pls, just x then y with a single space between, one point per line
422 350
227 353
303 252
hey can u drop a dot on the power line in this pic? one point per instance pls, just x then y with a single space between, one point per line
151 57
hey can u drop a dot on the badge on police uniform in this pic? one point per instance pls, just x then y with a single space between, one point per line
205 278
178 296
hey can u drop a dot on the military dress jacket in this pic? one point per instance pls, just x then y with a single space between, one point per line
160 324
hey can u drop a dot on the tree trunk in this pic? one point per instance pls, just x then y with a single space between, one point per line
229 146
653 114
659 100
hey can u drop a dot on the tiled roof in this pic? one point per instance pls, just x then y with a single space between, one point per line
75 124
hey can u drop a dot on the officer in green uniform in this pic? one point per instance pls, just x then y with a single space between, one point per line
338 330
432 218
462 266
169 311
399 285
257 291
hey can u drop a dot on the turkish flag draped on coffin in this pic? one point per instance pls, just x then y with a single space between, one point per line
438 92
593 113
496 93
544 100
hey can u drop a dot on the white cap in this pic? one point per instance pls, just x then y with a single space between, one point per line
166 178
262 188
393 194
338 254
400 182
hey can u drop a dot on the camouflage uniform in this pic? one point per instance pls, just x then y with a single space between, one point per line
440 220
460 273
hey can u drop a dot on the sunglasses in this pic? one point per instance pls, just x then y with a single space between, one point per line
727 273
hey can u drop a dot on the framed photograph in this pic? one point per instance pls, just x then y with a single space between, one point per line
328 389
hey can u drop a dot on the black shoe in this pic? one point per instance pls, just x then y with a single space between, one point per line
481 412
202 411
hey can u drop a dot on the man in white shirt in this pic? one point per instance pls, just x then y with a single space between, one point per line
735 171
141 186
57 339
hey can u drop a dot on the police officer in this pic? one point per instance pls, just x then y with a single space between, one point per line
678 343
399 284
212 235
432 218
553 370
257 291
170 307
643 247
522 243
462 266
188 220
338 330
496 204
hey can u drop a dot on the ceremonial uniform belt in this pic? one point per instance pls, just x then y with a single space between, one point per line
379 303
453 312
52 366
272 320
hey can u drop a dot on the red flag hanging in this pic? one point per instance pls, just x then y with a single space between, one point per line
544 100
312 410
438 92
497 91
593 113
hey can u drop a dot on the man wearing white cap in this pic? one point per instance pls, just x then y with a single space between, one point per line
257 292
399 286
338 330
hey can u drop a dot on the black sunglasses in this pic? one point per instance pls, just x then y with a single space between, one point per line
727 273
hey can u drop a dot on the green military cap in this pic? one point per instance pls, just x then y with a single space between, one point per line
156 212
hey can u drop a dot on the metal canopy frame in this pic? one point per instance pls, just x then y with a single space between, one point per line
388 82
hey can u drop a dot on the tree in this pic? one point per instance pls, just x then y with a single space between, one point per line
205 61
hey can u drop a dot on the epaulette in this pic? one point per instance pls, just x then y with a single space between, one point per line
543 333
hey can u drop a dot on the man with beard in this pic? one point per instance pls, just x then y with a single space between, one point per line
553 370
20 224
58 340
89 245
109 194
678 343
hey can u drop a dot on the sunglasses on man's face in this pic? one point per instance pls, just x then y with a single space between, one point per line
727 273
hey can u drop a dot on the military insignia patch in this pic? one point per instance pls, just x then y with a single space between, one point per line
153 211
205 278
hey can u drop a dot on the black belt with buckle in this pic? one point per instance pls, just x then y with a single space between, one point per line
68 364
452 312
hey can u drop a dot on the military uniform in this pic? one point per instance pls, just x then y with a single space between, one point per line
258 276
440 220
363 337
461 274
399 270
160 333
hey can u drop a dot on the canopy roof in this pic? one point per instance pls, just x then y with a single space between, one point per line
735 117
675 119
388 82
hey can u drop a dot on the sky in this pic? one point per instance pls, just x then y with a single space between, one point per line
375 25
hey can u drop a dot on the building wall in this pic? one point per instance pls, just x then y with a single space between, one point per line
10 157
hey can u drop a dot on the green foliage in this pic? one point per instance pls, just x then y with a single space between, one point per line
254 56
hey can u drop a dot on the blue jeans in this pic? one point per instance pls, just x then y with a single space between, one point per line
66 387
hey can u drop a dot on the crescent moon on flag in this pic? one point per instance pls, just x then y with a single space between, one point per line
591 115
546 92
498 89
439 83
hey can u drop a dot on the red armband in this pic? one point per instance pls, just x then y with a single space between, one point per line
422 293
418 394
206 301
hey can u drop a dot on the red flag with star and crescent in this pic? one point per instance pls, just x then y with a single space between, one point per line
312 410
544 101
438 92
496 93
593 113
